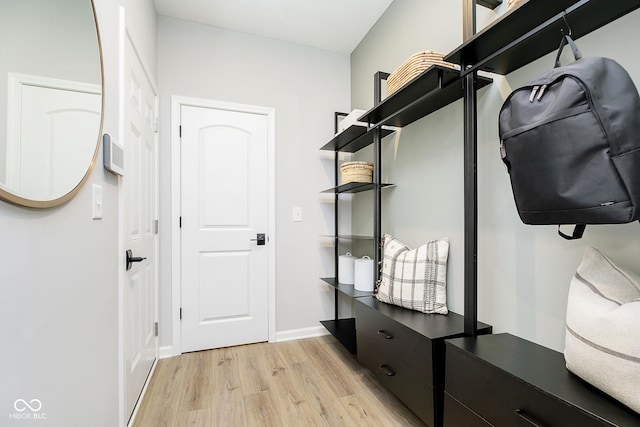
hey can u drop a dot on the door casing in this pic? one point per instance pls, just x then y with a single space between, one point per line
176 281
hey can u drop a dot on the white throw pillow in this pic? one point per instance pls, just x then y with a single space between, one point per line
602 344
414 279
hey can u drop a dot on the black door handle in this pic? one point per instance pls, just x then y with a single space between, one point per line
131 259
261 239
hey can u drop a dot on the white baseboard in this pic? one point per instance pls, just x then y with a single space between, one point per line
298 334
165 352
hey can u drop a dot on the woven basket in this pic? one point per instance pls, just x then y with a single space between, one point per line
513 3
413 66
356 172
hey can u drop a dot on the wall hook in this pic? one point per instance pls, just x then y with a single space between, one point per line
566 23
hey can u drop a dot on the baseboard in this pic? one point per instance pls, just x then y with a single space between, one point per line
298 334
165 352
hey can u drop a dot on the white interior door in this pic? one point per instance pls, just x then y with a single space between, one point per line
140 213
224 206
40 136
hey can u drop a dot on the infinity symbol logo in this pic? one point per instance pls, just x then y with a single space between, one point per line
21 405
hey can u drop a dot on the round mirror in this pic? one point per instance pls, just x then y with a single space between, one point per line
51 100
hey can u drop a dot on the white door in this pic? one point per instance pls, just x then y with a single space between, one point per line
140 213
224 206
40 137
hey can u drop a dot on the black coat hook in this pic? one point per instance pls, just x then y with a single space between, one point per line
566 23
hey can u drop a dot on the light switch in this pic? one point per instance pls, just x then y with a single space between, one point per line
297 214
96 202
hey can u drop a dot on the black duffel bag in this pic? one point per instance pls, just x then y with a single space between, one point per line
570 139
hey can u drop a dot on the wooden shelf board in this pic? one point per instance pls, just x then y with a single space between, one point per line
349 237
349 290
344 330
432 326
491 4
353 139
435 88
354 187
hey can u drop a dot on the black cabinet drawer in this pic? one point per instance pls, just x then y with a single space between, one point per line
511 382
409 348
412 390
458 415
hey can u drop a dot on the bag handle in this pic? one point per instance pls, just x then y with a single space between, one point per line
576 52
578 231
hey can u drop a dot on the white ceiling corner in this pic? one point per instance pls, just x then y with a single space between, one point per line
334 25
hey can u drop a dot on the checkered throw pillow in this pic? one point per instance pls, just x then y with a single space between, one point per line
414 279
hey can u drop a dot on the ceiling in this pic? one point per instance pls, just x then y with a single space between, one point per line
334 25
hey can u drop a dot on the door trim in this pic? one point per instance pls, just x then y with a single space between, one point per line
176 272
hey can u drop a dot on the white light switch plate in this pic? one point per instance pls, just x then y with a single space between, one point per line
297 214
96 201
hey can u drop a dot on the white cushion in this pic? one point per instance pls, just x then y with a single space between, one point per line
602 344
414 279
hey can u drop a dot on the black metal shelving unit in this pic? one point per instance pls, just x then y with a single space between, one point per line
436 87
532 30
519 37
351 140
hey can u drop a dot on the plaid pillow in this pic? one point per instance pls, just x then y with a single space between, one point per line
414 279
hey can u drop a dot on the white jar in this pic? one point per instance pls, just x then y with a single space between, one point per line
345 269
363 274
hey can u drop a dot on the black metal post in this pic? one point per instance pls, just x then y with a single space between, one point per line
377 178
470 83
335 216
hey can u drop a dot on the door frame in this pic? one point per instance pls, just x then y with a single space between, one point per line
177 102
125 31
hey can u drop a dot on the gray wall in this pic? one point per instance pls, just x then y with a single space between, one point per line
59 279
305 86
523 271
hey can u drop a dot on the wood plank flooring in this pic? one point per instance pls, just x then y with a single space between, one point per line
310 382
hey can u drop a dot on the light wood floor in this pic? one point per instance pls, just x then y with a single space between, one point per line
310 382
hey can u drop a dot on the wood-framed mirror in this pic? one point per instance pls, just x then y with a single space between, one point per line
51 99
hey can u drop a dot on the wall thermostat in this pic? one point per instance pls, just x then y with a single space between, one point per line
113 155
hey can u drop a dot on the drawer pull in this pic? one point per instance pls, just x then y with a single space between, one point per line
385 334
387 370
527 418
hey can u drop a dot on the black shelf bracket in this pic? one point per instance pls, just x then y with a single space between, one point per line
377 86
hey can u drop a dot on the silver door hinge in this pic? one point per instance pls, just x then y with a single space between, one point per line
180 222
180 131
180 313
155 226
155 329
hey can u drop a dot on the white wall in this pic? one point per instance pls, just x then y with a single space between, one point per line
59 280
305 86
523 271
